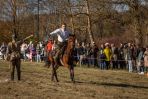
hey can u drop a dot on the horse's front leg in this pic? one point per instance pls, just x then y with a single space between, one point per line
54 68
72 73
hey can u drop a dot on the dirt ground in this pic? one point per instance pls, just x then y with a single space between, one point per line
91 83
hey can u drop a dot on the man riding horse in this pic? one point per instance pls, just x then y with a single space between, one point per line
63 56
62 35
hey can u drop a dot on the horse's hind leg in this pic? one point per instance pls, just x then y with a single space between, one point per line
54 73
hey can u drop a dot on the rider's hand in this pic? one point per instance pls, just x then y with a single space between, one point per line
49 35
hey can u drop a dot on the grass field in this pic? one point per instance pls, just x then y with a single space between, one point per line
90 84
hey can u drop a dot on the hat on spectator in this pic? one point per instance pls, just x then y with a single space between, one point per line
106 44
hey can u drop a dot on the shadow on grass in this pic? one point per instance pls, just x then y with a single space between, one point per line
112 84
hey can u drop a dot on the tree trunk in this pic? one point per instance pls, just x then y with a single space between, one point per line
71 17
14 15
137 22
89 22
138 32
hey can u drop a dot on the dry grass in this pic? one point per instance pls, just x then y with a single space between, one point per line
90 84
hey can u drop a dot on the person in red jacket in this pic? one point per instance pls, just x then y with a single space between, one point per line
48 49
49 46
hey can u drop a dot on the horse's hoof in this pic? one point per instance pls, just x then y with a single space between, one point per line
57 80
73 81
52 79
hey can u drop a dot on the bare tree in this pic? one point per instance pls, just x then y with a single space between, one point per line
90 19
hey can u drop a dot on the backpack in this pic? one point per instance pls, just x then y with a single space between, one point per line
14 54
102 56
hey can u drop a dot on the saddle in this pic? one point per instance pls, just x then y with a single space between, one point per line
57 54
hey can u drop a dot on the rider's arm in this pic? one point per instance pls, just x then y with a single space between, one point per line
68 33
55 32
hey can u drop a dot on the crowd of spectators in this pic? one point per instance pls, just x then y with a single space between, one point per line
126 56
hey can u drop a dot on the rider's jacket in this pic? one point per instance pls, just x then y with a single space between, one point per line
62 34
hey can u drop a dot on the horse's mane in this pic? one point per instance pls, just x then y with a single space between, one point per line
71 37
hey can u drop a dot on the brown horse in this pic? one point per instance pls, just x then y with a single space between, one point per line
66 60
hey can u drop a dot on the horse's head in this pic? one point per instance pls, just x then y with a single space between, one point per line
71 41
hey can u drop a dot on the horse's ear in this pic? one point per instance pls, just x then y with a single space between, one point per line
73 35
